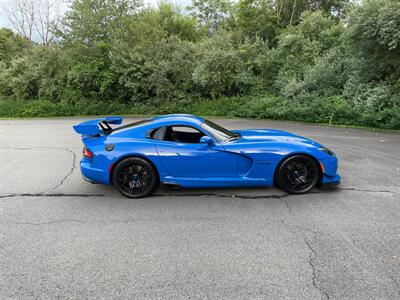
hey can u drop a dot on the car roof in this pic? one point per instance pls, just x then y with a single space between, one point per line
156 122
178 118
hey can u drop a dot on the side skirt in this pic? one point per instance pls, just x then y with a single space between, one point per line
214 182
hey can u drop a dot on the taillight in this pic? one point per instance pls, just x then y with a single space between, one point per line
87 153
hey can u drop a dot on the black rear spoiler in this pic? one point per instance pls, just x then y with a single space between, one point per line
97 126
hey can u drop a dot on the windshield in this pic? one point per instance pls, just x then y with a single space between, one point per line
219 133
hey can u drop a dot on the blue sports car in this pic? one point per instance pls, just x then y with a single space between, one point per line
191 152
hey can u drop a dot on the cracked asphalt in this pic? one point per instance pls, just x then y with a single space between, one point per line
61 237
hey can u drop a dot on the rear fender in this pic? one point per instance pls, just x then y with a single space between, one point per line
142 149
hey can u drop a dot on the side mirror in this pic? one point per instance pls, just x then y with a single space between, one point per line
206 140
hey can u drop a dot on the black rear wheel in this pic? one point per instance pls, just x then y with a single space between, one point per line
298 174
135 177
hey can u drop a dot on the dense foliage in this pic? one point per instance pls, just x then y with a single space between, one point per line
330 61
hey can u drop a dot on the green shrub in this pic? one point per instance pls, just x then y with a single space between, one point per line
329 110
248 58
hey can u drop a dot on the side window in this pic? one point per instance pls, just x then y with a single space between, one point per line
183 134
158 133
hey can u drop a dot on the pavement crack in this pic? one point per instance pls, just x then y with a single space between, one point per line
70 171
272 196
110 221
290 210
49 195
368 190
311 256
49 223
314 271
234 196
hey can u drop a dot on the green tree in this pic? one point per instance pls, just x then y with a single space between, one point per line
173 22
156 73
257 18
153 56
374 35
211 13
290 11
11 45
300 48
87 33
89 22
225 68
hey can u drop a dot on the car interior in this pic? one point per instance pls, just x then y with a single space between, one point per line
182 134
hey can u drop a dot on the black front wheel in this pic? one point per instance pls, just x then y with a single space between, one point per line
298 174
135 177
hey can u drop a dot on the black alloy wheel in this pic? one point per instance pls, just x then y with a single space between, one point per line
135 177
298 174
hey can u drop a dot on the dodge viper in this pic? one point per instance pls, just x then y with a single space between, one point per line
192 152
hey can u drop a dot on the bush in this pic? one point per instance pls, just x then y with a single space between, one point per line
248 58
331 110
328 110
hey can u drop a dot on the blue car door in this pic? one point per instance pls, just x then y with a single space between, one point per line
196 160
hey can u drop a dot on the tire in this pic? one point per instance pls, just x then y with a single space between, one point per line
135 177
298 174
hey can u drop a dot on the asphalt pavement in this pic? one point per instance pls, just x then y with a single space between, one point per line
61 237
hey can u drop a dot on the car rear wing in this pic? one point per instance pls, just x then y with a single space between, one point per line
97 127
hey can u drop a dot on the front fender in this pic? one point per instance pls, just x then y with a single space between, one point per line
266 156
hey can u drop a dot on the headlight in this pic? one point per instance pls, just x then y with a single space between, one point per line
327 151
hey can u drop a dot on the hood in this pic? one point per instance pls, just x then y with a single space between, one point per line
271 135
